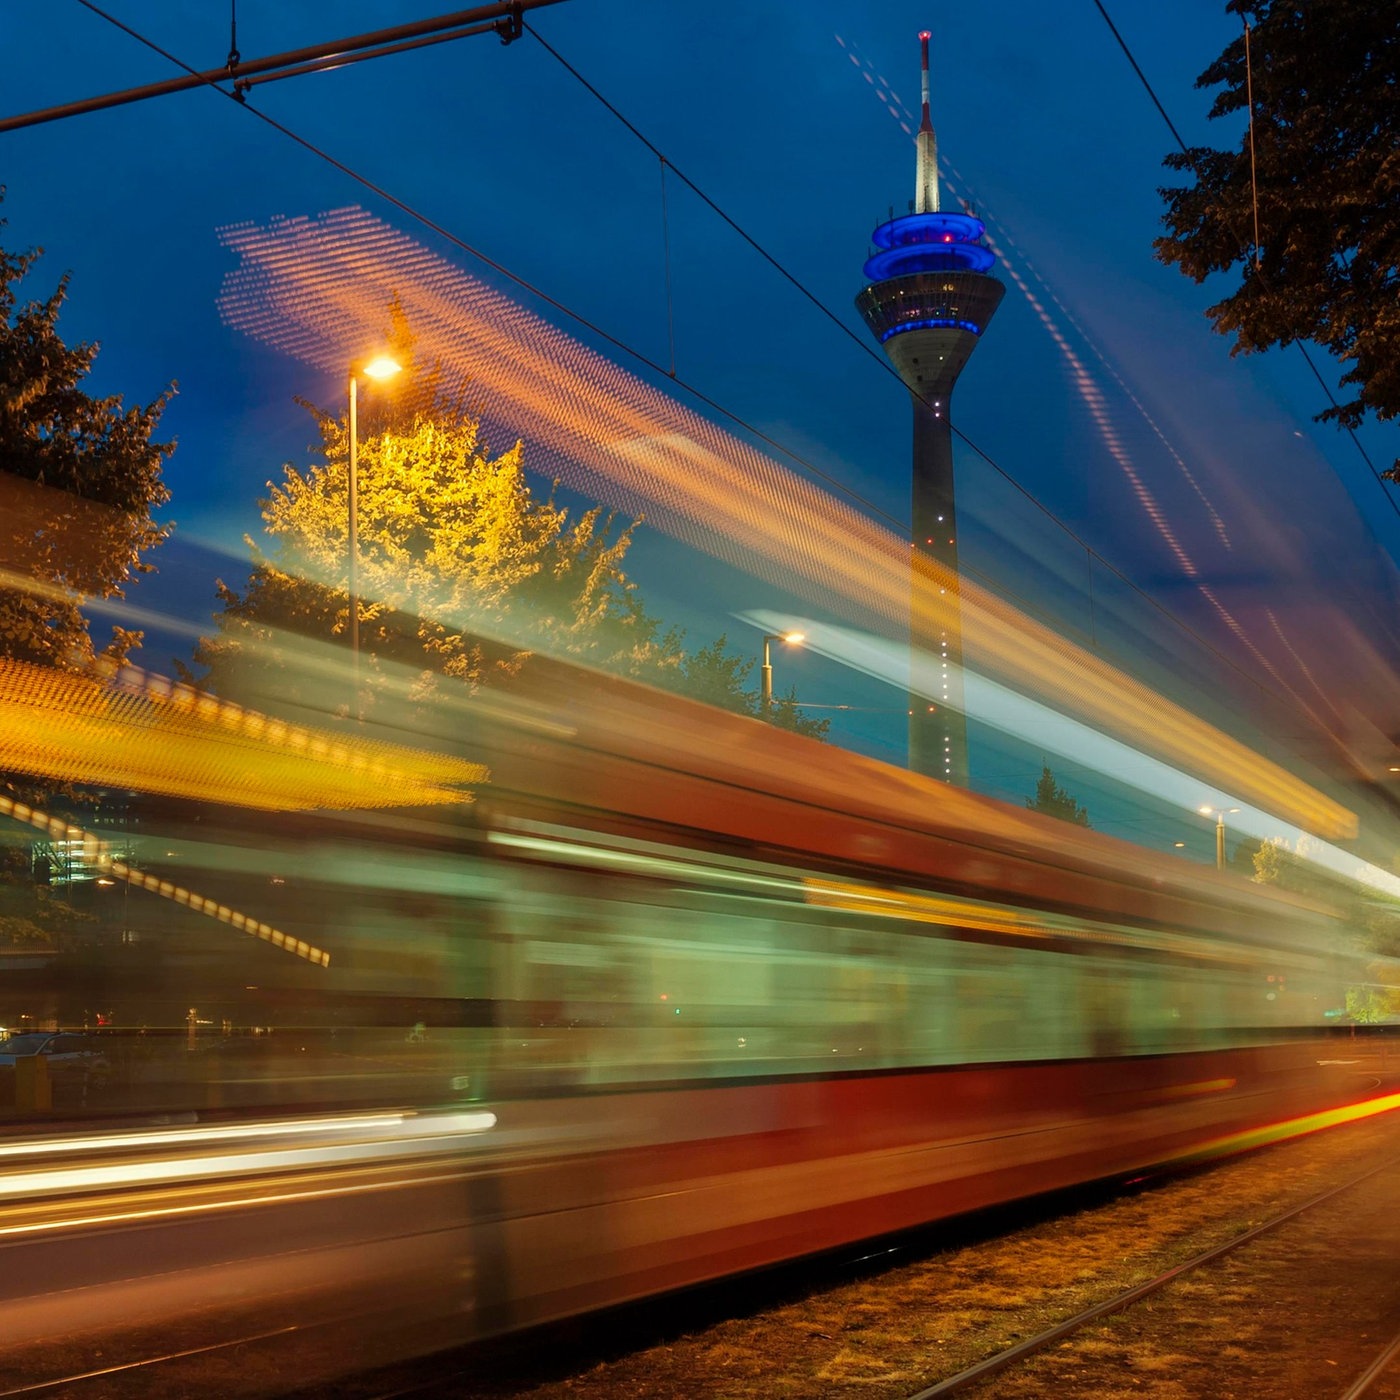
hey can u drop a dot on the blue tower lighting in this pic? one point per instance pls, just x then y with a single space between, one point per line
930 297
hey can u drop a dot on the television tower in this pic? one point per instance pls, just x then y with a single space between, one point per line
929 300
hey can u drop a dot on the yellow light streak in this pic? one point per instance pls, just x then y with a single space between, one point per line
948 912
1294 1127
142 731
95 853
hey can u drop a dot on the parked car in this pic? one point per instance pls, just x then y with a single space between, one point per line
71 1056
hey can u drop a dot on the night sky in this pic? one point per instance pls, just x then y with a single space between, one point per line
1100 388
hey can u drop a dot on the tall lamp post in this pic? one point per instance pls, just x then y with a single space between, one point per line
1219 813
792 638
381 367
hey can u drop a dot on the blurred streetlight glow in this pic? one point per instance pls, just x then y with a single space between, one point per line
381 367
766 689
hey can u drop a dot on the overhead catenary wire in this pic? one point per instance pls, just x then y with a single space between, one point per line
1253 170
433 226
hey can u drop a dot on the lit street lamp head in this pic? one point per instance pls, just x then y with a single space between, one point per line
766 672
381 367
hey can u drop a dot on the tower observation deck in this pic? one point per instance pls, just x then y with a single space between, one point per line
930 297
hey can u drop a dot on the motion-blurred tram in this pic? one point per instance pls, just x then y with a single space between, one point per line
680 995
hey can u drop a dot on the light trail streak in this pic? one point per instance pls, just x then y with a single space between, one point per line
223 1133
432 1135
311 287
97 853
1294 1127
133 729
1015 714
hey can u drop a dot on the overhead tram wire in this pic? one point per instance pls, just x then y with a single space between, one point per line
1263 278
859 340
211 80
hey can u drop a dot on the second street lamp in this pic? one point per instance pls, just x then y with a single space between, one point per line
381 367
1219 813
766 687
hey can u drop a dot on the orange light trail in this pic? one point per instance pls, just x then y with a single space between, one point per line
312 287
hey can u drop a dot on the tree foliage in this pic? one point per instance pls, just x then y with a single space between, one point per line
462 572
1051 799
1242 859
1327 152
461 568
1278 863
79 478
32 917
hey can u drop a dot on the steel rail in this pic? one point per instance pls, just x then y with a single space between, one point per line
991 1365
503 17
1363 1383
121 1367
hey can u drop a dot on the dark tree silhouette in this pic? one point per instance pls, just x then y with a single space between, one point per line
1051 799
1327 156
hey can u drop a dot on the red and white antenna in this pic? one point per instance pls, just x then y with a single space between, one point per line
926 179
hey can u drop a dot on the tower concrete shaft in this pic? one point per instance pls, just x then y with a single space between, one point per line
929 300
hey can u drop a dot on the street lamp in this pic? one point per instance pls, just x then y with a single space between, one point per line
1220 814
792 638
381 367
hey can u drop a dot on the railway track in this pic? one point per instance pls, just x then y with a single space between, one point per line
834 1342
973 1379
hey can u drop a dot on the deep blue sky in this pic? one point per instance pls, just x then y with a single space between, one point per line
762 105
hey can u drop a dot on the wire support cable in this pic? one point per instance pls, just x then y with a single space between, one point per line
433 226
503 18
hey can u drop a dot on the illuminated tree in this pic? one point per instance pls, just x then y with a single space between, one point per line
1327 155
79 479
462 570
1052 800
